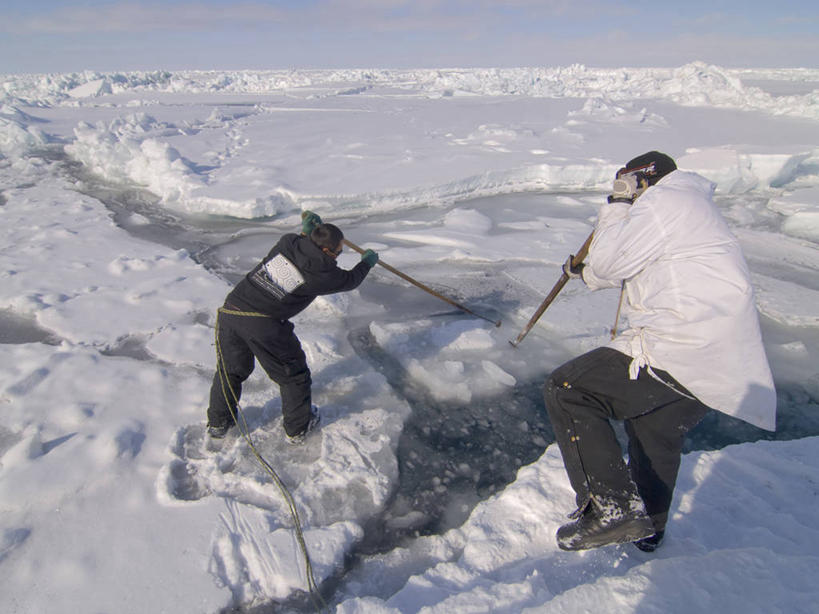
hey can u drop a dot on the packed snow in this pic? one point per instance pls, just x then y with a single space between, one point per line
131 203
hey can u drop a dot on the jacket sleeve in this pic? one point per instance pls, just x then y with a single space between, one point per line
339 280
626 239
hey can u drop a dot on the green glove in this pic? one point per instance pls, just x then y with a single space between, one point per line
309 221
370 257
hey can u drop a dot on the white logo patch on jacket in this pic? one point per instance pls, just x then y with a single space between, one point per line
278 276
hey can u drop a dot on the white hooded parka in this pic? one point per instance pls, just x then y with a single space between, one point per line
690 305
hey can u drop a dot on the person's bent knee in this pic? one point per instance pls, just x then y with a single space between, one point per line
555 384
553 393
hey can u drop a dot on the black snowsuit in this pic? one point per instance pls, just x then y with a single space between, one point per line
584 394
254 322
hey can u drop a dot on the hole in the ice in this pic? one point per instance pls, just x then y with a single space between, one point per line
451 456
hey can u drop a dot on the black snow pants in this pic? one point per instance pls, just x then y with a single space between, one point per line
273 343
584 394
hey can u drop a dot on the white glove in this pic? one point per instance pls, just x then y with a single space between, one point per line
624 189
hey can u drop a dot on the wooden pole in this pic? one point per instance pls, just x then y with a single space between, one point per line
619 307
578 258
418 284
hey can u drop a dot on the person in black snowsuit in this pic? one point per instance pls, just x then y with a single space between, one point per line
254 323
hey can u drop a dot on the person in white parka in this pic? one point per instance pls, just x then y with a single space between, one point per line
692 343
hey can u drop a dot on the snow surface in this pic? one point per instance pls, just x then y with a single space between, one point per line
130 204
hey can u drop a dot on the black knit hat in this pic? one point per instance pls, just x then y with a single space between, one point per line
327 235
652 165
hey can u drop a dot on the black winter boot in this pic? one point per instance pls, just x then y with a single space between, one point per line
315 418
650 543
603 522
218 431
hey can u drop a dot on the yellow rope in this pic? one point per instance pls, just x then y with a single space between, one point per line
221 368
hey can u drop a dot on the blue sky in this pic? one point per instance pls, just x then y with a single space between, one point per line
64 36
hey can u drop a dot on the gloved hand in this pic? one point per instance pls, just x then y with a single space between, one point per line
309 221
573 272
370 257
624 189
